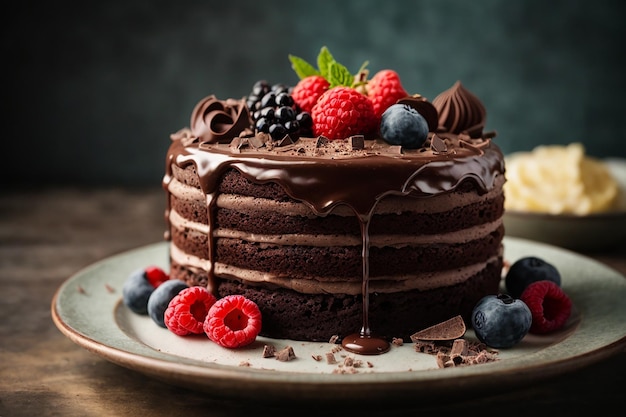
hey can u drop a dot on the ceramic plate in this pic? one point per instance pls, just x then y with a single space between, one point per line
87 308
581 233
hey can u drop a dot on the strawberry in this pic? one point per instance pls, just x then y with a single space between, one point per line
308 90
233 321
187 311
385 89
342 112
549 305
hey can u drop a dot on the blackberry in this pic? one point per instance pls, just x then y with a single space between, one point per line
275 112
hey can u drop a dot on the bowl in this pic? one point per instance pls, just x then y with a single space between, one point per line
588 233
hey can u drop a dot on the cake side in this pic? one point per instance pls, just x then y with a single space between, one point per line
443 250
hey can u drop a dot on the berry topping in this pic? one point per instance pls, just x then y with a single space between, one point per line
139 286
403 125
161 297
501 321
549 305
274 111
186 312
385 89
342 112
308 90
156 275
528 270
233 321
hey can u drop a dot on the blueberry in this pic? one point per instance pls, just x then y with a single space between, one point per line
501 321
277 131
403 125
285 114
305 120
136 291
161 297
527 270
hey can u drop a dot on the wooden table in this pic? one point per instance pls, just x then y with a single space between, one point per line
48 235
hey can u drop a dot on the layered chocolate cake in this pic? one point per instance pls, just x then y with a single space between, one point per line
339 236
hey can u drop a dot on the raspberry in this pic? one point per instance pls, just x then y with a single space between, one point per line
549 306
342 112
186 312
233 321
385 89
156 276
308 91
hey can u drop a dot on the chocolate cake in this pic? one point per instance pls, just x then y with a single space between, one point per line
349 236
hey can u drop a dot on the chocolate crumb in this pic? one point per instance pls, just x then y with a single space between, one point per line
333 339
269 351
81 290
245 363
397 341
370 364
109 288
330 358
286 354
442 358
348 361
336 348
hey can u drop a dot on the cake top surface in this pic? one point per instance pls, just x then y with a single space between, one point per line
335 138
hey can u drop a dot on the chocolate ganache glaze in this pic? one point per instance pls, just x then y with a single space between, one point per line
326 173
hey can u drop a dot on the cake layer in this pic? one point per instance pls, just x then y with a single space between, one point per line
294 315
192 270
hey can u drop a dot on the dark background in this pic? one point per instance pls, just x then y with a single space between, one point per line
92 91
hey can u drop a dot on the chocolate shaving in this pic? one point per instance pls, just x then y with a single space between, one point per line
438 145
450 329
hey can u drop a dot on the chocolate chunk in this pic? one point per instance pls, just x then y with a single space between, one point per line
357 142
321 141
450 329
256 142
269 351
286 354
286 140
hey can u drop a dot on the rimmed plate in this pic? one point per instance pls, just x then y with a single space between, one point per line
587 233
87 308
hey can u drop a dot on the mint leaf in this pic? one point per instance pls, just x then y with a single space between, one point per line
324 61
339 75
302 68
